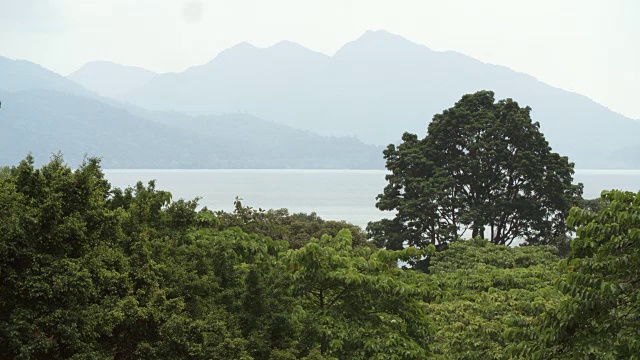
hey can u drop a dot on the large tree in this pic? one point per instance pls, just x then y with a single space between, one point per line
356 303
484 169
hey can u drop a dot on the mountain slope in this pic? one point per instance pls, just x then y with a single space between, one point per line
16 75
242 78
44 122
110 79
379 86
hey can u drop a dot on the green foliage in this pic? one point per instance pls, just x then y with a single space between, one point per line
594 205
484 167
56 267
600 315
486 294
356 302
296 229
5 172
213 279
90 272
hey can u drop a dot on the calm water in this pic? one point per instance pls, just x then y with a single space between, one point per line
333 194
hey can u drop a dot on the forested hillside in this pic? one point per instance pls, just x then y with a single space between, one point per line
44 122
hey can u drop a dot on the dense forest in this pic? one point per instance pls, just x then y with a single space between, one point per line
88 271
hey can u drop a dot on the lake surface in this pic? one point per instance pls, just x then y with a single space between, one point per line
333 194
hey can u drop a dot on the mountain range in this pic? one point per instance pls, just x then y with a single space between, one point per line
377 87
44 113
372 89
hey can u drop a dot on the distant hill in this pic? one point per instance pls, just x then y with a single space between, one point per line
43 112
17 75
44 122
110 79
379 86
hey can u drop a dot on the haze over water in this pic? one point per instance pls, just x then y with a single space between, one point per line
333 194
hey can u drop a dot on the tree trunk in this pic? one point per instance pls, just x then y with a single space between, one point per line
323 341
477 230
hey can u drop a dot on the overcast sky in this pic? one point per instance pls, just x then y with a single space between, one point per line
590 47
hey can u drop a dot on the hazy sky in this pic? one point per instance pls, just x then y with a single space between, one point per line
590 47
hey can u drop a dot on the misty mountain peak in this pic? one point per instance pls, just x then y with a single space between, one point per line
238 57
286 45
240 50
294 52
379 44
108 65
20 75
380 34
242 46
111 79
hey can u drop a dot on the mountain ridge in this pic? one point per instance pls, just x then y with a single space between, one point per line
42 116
378 86
18 74
110 79
246 45
372 93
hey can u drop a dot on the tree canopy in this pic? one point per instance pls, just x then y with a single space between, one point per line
486 294
357 302
599 317
484 168
93 272
297 229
